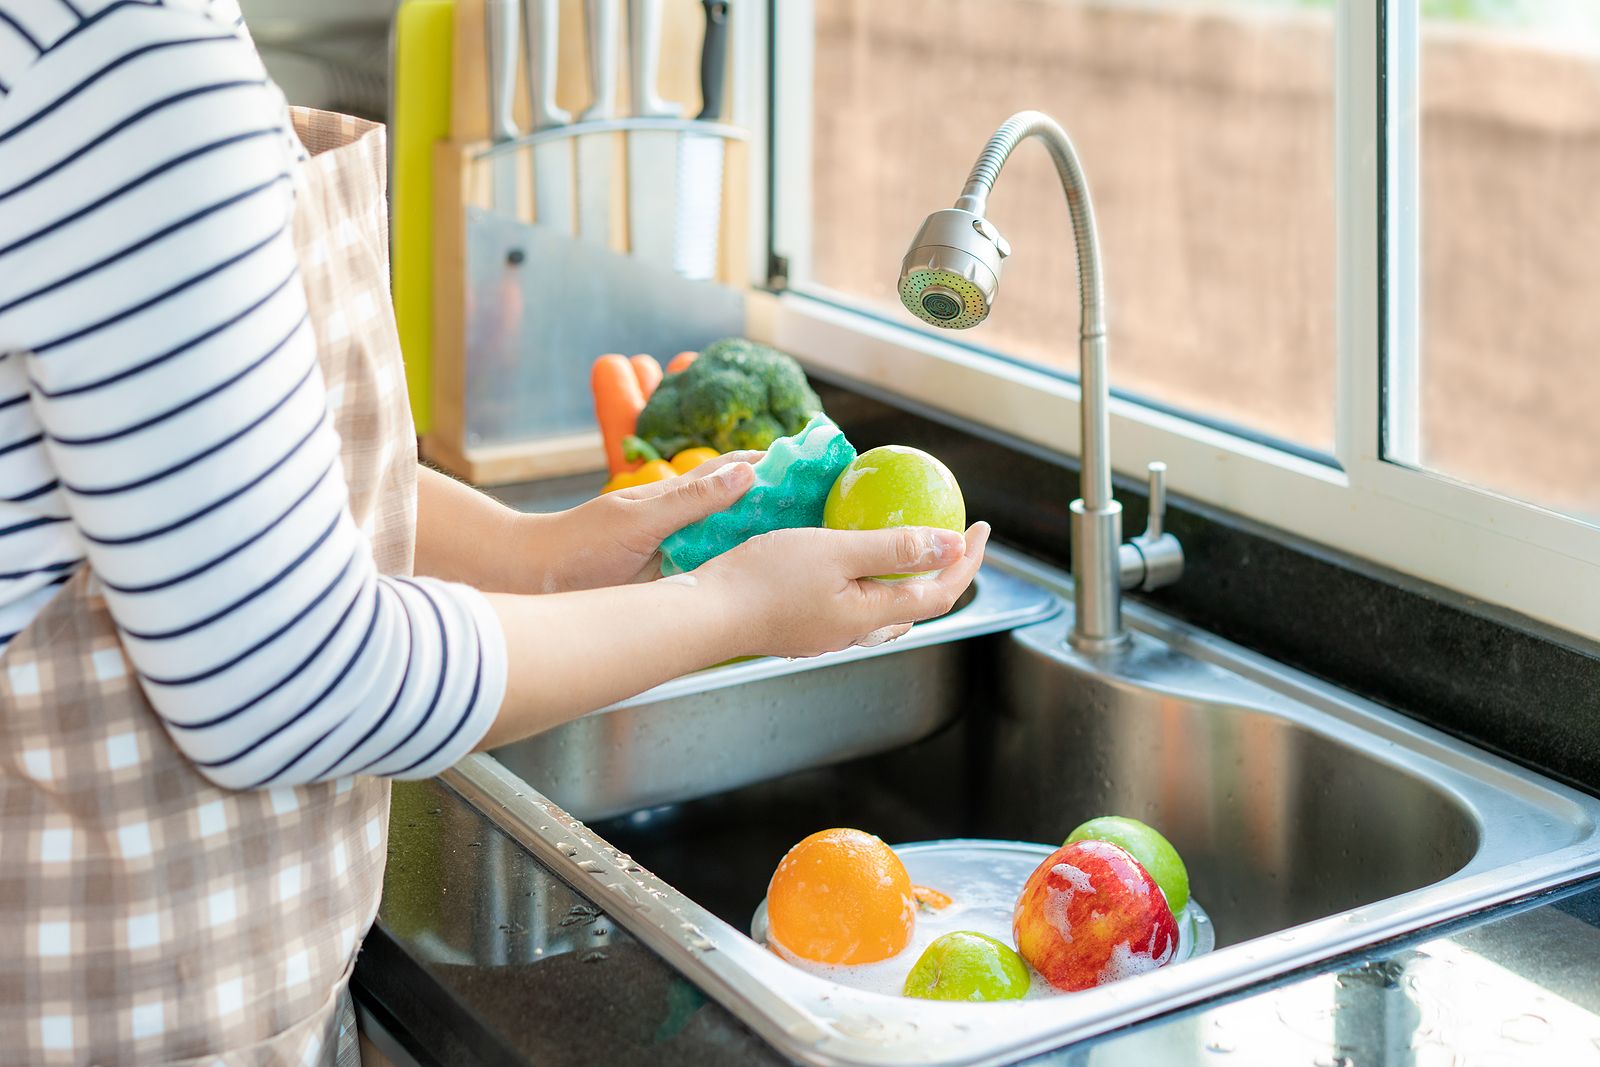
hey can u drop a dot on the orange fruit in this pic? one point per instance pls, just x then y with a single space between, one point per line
843 897
930 899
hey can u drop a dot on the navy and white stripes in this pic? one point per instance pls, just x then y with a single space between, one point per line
163 415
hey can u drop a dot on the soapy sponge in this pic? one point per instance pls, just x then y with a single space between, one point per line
791 487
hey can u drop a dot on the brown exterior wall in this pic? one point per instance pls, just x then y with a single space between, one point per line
1207 134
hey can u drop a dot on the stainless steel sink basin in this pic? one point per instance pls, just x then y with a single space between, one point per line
747 722
1312 822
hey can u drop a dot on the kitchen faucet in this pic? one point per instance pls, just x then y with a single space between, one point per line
950 278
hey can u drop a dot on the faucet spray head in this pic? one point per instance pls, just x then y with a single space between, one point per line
951 274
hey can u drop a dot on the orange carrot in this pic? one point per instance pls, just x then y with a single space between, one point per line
617 403
681 361
648 371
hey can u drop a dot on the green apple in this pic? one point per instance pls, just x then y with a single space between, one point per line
895 486
968 966
1154 853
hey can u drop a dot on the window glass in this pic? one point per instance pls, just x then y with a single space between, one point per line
1505 392
1206 131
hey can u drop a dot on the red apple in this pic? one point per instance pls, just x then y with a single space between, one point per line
1089 914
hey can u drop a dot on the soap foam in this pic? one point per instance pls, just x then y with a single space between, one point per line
1126 963
983 894
983 885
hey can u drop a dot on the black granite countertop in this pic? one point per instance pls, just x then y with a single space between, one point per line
482 955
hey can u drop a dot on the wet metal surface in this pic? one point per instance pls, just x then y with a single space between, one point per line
482 955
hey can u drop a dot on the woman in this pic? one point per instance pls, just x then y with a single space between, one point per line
210 512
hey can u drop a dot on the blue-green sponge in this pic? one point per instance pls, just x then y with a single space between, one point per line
791 486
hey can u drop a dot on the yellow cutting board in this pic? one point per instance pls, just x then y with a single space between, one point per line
419 117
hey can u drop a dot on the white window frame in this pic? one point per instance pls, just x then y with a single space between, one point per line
1479 543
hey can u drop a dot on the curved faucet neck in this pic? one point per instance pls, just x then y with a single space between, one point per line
1096 517
1096 473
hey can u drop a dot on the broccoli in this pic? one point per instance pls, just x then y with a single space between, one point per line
737 394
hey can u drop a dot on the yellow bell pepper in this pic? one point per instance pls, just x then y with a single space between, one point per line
654 471
690 458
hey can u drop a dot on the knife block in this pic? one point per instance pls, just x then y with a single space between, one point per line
520 311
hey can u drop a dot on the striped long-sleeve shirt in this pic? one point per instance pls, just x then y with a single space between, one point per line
163 416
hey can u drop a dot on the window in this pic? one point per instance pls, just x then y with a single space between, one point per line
1348 253
1506 379
1207 132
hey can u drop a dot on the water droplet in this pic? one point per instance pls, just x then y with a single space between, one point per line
567 849
580 913
591 866
1526 1029
1220 1045
592 957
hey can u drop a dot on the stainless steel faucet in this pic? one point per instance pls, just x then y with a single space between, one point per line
950 278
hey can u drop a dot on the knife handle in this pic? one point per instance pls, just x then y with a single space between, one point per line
544 46
600 17
644 54
502 34
713 59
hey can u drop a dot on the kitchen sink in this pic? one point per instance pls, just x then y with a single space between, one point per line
1312 822
731 725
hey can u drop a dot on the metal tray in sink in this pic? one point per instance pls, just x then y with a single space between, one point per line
729 726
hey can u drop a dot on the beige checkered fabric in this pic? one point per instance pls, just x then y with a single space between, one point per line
145 915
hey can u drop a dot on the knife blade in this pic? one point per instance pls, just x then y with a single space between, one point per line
597 152
700 156
502 35
652 154
552 161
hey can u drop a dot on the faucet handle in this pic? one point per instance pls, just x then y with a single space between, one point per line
1158 499
1154 558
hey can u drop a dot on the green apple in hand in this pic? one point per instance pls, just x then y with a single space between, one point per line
1154 853
893 485
968 966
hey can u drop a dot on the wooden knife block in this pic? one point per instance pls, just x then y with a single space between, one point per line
461 181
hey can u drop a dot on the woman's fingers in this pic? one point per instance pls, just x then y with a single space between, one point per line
924 598
899 550
688 499
747 456
651 490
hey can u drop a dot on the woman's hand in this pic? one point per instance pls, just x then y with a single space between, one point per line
809 591
615 539
788 593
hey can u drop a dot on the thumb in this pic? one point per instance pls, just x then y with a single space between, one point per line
692 499
899 550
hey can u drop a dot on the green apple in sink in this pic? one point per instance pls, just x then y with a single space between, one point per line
1154 853
968 966
893 485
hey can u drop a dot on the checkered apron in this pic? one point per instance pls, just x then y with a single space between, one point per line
147 916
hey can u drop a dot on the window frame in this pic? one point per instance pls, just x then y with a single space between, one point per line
1482 544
